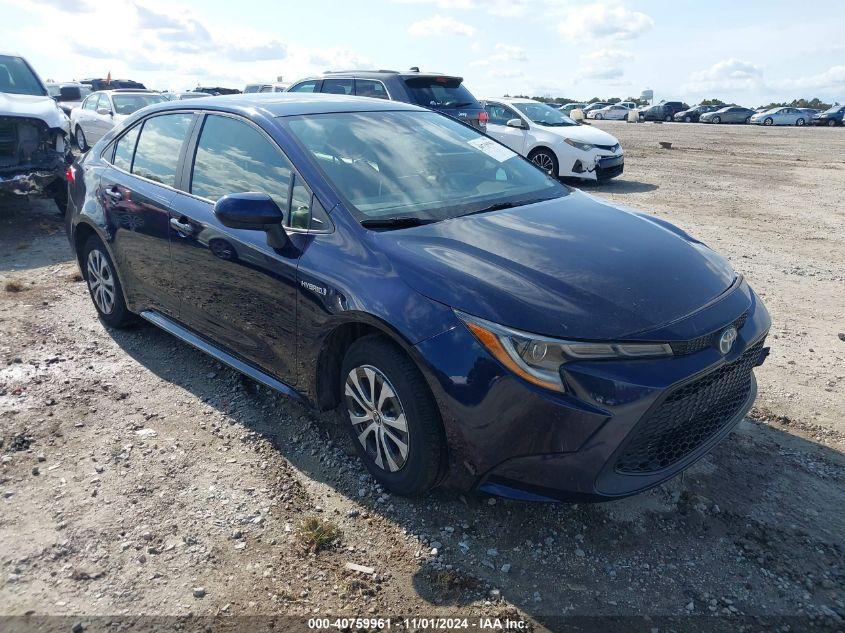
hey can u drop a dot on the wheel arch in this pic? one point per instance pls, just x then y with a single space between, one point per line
333 347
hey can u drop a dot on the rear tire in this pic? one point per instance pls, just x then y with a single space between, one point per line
598 116
545 160
81 141
668 118
717 119
832 123
389 405
687 119
104 286
799 122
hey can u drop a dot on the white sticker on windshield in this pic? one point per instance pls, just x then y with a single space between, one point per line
493 149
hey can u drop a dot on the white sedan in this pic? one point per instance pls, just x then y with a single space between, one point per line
104 109
611 113
553 141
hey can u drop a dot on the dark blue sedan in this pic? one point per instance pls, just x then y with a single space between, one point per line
479 323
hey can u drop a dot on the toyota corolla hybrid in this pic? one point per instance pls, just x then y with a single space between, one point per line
478 322
553 141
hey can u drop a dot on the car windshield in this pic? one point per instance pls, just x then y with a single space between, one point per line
417 166
16 77
440 92
127 104
834 109
541 114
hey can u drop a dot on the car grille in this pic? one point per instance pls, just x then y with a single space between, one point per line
682 348
688 417
609 148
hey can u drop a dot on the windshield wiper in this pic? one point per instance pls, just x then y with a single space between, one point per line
499 206
394 223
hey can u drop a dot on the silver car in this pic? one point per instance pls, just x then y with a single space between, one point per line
102 110
611 113
728 114
782 116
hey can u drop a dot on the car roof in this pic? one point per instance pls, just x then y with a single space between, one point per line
511 100
281 104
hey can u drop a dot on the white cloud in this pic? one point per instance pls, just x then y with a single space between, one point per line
501 8
599 20
440 25
505 53
604 64
726 75
830 81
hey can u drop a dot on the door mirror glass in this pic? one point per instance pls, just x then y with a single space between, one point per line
103 111
250 211
517 123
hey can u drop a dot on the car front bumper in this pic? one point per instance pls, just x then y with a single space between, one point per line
621 427
593 165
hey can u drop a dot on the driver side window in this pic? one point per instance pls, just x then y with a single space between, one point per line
499 114
234 157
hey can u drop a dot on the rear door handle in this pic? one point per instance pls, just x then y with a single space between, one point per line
114 194
181 227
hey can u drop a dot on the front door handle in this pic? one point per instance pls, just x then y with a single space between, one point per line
181 227
114 194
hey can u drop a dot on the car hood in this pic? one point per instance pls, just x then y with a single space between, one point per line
582 133
569 267
33 107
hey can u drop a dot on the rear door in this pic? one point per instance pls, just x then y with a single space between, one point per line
235 288
498 116
136 194
100 124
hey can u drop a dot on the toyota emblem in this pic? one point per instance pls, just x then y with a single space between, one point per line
726 340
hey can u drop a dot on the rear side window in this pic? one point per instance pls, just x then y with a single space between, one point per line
159 147
306 86
370 88
234 157
337 86
125 148
439 92
499 114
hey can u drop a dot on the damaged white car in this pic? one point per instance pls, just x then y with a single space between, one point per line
34 135
553 141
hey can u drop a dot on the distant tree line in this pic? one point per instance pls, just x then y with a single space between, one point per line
815 102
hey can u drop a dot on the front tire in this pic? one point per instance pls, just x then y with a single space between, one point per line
831 123
545 160
104 285
799 122
81 141
393 421
717 119
687 119
668 118
768 121
598 116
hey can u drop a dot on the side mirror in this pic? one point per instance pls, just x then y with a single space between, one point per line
517 123
103 111
252 211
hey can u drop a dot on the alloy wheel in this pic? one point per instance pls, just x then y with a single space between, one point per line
768 121
377 417
799 122
101 281
544 162
832 123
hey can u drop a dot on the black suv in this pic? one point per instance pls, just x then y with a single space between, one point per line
663 111
444 93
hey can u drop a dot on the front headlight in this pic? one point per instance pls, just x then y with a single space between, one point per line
585 147
537 359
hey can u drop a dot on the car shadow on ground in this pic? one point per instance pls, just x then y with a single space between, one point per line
757 515
615 186
27 234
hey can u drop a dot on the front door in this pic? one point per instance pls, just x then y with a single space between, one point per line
236 288
499 115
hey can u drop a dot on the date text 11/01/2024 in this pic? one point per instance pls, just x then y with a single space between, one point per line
415 624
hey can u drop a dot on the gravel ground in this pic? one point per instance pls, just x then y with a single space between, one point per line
140 477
